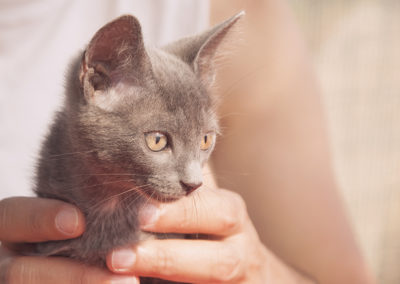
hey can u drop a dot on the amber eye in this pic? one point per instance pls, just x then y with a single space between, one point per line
207 141
156 141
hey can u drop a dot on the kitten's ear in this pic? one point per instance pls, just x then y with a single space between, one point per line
200 51
116 53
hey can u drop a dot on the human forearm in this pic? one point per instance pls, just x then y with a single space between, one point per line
275 149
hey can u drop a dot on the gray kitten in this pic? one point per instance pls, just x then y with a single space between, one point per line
138 123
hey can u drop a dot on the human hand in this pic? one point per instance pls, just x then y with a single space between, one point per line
26 220
232 254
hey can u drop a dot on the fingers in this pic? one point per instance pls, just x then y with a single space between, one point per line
41 270
29 219
181 260
215 212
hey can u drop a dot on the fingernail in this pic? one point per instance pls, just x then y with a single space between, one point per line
124 280
122 260
67 220
148 215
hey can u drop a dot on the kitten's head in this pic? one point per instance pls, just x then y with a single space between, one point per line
146 113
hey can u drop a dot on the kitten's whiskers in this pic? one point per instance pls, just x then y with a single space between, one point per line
136 188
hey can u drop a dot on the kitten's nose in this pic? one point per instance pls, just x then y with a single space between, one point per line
190 187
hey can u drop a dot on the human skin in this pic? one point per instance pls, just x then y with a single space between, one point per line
282 171
30 219
234 254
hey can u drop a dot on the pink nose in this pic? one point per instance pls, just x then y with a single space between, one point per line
190 187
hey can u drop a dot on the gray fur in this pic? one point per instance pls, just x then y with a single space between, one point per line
95 155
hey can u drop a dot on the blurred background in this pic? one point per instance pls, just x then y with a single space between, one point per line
355 46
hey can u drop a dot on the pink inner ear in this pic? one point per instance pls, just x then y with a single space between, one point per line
116 43
108 40
203 63
115 53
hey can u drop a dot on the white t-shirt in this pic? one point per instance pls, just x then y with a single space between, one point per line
37 41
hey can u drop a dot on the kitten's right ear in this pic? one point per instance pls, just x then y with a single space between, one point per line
116 53
200 51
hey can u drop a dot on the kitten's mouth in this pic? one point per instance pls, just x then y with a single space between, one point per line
159 196
162 197
152 190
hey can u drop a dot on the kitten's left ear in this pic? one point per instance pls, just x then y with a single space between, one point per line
199 51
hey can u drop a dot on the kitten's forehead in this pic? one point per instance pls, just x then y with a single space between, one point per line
177 84
176 93
172 98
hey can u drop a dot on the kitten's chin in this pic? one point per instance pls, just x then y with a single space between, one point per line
162 196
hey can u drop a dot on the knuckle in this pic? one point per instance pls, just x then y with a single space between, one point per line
27 270
35 224
14 270
81 276
6 270
17 271
186 217
236 213
229 267
229 222
238 201
163 262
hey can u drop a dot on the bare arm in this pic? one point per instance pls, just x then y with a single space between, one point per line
272 114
